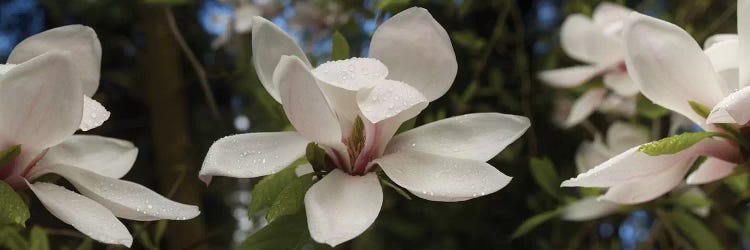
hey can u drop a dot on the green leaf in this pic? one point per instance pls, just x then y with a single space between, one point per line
392 5
650 110
699 109
340 50
737 183
317 158
677 143
536 220
695 230
692 200
86 244
39 239
545 175
265 192
12 210
11 239
291 200
161 227
9 154
286 232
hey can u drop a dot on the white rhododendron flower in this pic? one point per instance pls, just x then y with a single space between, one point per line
44 94
598 42
411 63
671 70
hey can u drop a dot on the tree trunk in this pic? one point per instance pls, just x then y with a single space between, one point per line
165 91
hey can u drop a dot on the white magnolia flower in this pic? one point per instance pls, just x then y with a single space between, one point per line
411 63
240 22
44 93
620 137
670 70
596 41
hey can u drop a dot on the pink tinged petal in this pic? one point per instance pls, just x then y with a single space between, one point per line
341 80
125 199
590 154
269 44
669 67
622 136
583 40
743 33
439 178
105 156
340 206
417 51
42 102
569 77
252 155
94 114
584 106
87 216
620 83
304 103
589 209
711 170
734 108
610 15
647 189
81 41
715 39
478 136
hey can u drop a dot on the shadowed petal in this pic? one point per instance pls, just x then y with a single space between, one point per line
711 170
105 156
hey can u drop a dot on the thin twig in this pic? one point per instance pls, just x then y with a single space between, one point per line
194 62
64 232
722 19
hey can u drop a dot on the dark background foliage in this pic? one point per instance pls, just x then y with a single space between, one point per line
158 102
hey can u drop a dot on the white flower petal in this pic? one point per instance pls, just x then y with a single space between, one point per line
647 189
387 99
41 103
269 44
714 39
105 156
619 105
622 136
620 83
303 169
584 106
743 33
341 80
669 67
340 206
732 109
610 15
417 51
252 155
125 199
438 178
304 103
89 217
711 170
81 41
583 40
569 77
588 209
353 73
590 154
478 136
723 56
94 114
633 165
243 17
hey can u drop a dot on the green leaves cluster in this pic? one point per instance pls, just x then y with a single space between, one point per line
282 195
